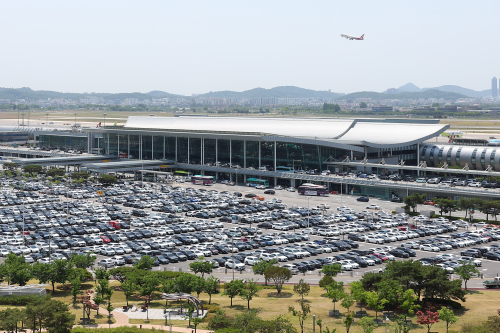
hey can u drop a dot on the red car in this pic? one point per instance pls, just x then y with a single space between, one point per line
381 256
105 239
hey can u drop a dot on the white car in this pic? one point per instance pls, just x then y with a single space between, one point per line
292 268
251 260
429 247
373 206
475 184
374 239
236 264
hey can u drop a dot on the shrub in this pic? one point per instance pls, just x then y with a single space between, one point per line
18 300
455 305
212 308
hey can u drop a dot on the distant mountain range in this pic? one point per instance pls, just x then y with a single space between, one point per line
279 92
410 87
30 94
408 91
430 93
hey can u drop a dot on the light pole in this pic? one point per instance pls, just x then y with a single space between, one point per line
308 211
232 253
104 114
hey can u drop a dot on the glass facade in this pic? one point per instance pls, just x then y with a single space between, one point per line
242 153
62 142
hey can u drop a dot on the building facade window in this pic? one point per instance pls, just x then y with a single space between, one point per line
457 156
431 156
473 159
440 155
448 156
483 156
492 159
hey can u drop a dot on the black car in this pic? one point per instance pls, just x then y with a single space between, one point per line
363 199
269 192
399 253
396 199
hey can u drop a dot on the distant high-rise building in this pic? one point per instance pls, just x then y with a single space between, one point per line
494 87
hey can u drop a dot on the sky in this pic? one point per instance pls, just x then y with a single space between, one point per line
191 46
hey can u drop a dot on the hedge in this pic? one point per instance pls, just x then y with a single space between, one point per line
445 302
18 300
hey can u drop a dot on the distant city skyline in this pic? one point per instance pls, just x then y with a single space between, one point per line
198 46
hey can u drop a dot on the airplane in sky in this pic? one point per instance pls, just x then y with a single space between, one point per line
353 37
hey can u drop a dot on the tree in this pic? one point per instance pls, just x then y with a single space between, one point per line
128 288
358 292
10 166
56 172
331 270
83 260
32 168
201 266
233 289
122 274
60 320
326 281
428 319
445 205
374 301
260 267
211 287
302 288
363 105
76 286
390 290
98 300
199 285
467 205
250 291
15 270
367 325
10 318
466 271
335 292
408 302
319 322
348 320
78 175
301 314
107 180
413 200
149 286
146 262
347 302
447 315
58 271
278 276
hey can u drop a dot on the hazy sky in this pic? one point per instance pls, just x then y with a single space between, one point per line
187 47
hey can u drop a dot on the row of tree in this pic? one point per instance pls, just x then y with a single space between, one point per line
447 206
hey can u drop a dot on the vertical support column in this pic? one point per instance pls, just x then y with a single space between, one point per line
152 147
259 155
366 152
418 158
140 147
128 146
108 145
164 147
352 155
202 162
216 152
231 159
275 181
188 150
118 145
245 154
89 138
275 163
176 149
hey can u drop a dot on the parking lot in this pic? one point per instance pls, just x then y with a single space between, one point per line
179 222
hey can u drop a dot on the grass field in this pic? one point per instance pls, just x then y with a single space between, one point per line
478 307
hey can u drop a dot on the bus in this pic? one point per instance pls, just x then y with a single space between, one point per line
186 176
256 182
312 189
283 169
202 180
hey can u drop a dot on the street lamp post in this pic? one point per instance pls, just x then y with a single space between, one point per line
232 253
308 211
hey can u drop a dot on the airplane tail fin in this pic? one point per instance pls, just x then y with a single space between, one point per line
363 36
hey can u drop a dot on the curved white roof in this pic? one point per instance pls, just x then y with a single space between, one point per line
289 127
376 133
388 135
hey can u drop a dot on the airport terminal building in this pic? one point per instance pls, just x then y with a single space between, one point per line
271 143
